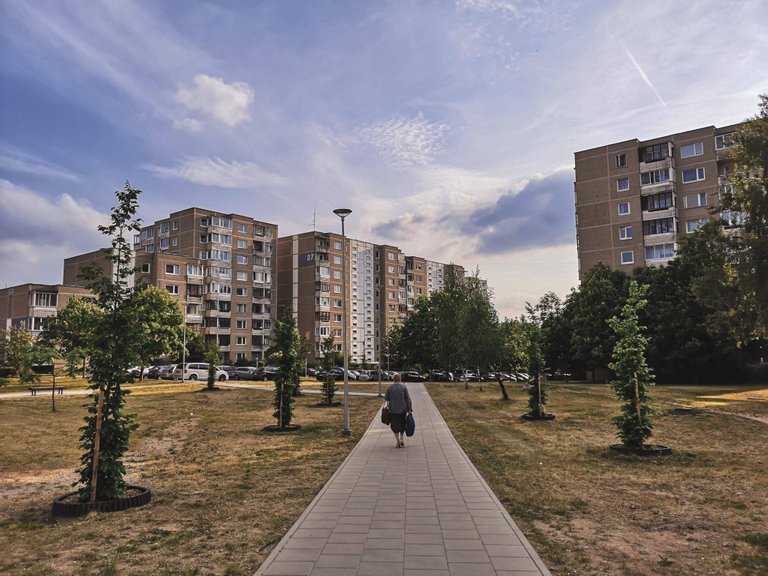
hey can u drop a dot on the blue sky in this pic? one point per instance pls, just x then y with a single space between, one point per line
447 126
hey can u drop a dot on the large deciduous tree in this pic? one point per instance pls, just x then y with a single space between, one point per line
71 331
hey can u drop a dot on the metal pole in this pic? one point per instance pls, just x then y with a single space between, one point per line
184 347
379 371
343 213
346 431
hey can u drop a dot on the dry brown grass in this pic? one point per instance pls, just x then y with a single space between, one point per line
703 510
224 492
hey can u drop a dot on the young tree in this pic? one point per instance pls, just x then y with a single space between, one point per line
632 375
329 361
15 343
512 350
537 395
212 357
286 354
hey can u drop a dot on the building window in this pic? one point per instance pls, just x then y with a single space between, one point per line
693 225
724 141
660 226
622 184
172 289
625 233
172 269
690 150
242 259
655 152
693 175
337 289
164 244
241 291
337 245
621 160
733 219
623 208
240 341
175 241
241 324
145 267
659 251
242 276
242 243
242 308
655 176
149 248
696 200
337 274
175 225
658 201
337 317
242 228
337 303
628 257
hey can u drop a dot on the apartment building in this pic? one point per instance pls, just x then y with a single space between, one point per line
384 285
636 199
27 306
221 268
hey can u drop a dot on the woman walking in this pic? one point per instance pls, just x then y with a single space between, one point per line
399 402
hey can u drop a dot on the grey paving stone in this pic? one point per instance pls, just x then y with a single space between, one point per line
463 569
425 562
380 569
337 561
320 571
289 569
424 549
478 556
410 572
385 543
463 544
382 556
514 564
305 543
511 551
505 539
425 538
343 548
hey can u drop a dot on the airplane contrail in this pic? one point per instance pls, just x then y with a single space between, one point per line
645 78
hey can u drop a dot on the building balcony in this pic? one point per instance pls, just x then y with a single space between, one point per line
656 187
656 214
656 164
42 311
658 261
194 318
665 238
194 299
196 280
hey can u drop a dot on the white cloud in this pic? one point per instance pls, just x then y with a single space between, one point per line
38 233
20 162
188 125
405 142
228 103
220 173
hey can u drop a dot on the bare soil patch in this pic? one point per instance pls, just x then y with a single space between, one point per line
700 511
224 492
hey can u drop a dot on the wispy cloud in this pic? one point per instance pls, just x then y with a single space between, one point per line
228 103
645 78
14 160
405 142
221 173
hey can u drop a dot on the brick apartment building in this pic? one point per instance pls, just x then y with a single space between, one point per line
636 199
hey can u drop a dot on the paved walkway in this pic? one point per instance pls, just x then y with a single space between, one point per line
421 510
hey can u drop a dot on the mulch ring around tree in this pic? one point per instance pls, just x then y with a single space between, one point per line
68 506
533 418
326 405
644 450
282 429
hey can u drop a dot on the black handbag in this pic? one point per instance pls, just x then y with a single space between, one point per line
385 419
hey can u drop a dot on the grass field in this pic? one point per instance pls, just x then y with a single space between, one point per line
224 492
701 511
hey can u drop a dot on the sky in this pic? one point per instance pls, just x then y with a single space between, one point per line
448 127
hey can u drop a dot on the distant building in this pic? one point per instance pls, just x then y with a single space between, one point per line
636 199
27 306
384 286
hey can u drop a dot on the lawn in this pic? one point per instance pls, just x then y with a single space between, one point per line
224 491
703 510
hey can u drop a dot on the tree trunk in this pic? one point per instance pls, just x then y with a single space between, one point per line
97 446
504 394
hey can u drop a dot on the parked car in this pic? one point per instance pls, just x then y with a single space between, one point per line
246 372
154 372
266 373
522 377
440 377
338 373
367 375
137 371
230 370
411 376
196 371
166 371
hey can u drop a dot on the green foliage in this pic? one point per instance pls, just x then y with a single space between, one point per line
600 297
286 354
196 347
15 344
71 331
212 357
537 394
32 355
329 361
632 375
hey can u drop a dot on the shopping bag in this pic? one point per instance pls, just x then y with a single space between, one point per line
385 415
410 425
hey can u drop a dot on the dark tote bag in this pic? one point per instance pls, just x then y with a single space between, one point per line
410 425
385 419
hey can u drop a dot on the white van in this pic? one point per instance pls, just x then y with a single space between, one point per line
197 371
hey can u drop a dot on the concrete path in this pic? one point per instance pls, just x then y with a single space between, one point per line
421 510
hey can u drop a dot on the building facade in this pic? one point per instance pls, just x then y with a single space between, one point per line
27 306
636 199
221 268
384 286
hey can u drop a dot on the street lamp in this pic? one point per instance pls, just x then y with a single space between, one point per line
343 213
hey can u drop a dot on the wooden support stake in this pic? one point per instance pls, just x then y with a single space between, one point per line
97 445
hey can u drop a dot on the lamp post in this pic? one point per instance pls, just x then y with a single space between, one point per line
343 213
